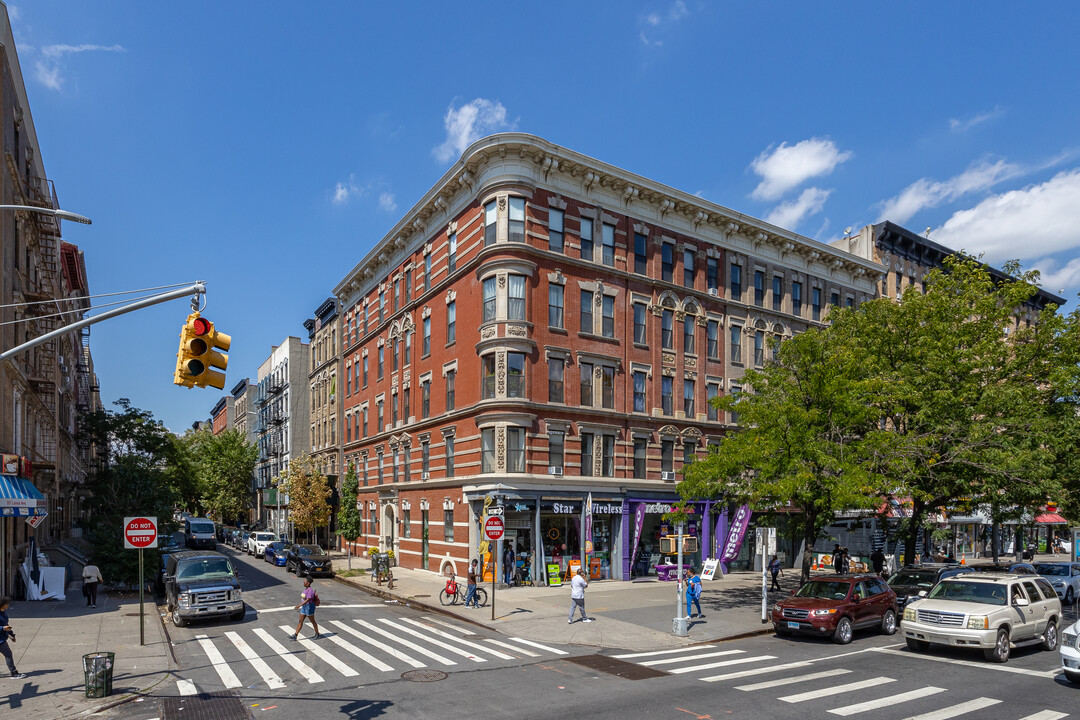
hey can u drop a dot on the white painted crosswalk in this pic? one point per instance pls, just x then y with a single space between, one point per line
371 647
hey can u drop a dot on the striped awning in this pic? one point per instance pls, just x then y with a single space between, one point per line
19 497
1050 519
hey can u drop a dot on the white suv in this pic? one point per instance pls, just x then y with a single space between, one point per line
990 612
257 542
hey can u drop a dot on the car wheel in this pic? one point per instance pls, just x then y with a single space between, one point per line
176 619
844 631
888 622
917 645
1000 652
1069 596
299 572
239 614
1073 677
1050 636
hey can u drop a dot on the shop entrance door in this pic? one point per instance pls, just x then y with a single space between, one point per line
424 538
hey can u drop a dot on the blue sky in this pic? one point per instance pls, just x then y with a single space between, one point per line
265 147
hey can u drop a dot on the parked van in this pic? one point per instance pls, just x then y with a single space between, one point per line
200 532
200 584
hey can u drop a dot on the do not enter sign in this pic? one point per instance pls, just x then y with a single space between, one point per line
140 532
493 528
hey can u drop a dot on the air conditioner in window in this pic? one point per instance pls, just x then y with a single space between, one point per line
667 476
555 470
714 292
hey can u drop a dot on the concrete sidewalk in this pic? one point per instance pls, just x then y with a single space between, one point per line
52 637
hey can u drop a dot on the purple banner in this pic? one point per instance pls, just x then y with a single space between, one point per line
719 534
639 521
588 527
734 542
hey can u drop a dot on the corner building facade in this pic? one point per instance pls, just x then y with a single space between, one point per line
542 326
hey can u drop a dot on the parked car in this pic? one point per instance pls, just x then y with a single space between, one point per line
223 533
1070 653
258 541
990 611
910 580
835 606
1009 568
235 537
201 584
240 541
275 553
200 533
1064 577
308 560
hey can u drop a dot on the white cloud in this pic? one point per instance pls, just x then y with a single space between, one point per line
48 70
387 202
343 192
924 192
1034 222
346 191
790 214
14 14
1058 279
660 22
785 167
467 124
959 125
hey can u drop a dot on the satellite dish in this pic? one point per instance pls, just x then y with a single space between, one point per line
847 230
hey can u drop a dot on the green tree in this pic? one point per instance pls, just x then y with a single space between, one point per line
348 516
309 494
804 417
224 465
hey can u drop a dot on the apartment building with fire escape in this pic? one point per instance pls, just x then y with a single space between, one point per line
324 404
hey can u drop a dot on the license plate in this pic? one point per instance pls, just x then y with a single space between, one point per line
793 625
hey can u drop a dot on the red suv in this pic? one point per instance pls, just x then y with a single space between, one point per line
836 605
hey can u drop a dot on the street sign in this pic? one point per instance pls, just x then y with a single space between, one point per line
493 528
140 532
495 511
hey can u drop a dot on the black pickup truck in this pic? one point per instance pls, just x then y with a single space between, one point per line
201 584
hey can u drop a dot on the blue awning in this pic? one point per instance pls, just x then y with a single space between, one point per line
19 497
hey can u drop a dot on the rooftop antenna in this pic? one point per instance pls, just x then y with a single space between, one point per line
927 233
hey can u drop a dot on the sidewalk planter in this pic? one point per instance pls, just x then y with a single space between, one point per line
98 674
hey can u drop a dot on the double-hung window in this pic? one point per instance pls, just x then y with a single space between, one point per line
487 450
449 456
380 416
586 311
712 335
712 390
448 526
363 422
427 336
667 323
796 298
759 348
639 391
382 305
639 323
515 375
777 292
365 365
451 253
667 456
394 412
382 357
608 240
397 353
427 272
607 387
516 226
451 381
556 449
491 223
759 288
555 306
815 303
515 300
641 254
451 322
712 274
736 344
641 447
587 453
488 390
688 268
515 449
688 398
735 287
586 239
666 399
556 368
397 294
608 320
425 398
489 299
408 285
688 334
607 455
408 346
555 230
586 370
667 262
405 409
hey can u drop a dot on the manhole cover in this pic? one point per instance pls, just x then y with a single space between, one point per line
424 675
616 667
205 706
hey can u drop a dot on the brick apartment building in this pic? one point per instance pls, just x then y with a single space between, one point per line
541 326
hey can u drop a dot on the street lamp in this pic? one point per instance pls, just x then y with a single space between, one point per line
55 212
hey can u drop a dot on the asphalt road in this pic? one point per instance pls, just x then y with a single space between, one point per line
875 677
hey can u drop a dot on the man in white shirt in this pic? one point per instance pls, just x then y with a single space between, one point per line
577 596
91 577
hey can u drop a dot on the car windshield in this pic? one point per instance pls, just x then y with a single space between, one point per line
966 591
309 550
275 546
1052 569
263 537
919 578
202 527
204 568
826 589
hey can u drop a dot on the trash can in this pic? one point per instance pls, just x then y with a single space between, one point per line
97 674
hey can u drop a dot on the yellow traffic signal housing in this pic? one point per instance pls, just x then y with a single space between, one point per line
199 362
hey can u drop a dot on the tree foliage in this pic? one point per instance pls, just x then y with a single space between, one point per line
348 516
224 465
309 494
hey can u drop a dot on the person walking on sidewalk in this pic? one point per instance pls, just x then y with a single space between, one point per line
508 563
470 587
309 599
776 569
577 596
5 635
91 576
693 593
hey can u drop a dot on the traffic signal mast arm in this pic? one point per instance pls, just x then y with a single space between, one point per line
196 289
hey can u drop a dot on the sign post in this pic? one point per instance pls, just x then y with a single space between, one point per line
141 533
766 542
493 528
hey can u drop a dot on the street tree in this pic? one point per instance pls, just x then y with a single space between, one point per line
348 521
309 494
803 416
225 466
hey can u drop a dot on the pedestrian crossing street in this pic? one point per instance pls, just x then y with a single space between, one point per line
797 683
348 648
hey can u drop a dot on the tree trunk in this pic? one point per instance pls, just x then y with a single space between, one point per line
918 512
994 527
809 538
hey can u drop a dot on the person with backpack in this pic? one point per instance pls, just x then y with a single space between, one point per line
693 593
309 600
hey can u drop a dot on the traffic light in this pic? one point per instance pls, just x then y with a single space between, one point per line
198 362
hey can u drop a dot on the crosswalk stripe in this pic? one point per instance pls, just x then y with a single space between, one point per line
791 680
668 661
466 643
369 659
513 648
433 641
1046 715
755 671
186 687
530 643
321 654
375 643
437 621
268 675
296 663
886 701
662 652
223 670
955 710
407 643
837 689
722 663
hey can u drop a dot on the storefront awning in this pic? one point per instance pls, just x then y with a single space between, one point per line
19 497
1050 519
